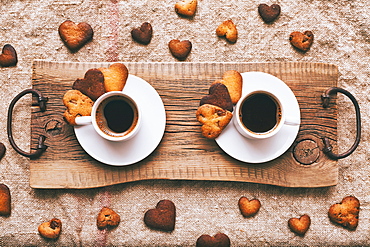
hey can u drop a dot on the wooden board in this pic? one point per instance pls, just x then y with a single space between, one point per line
184 153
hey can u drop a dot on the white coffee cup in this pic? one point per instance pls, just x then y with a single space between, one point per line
260 114
115 116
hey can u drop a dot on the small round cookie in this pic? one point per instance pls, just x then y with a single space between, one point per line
77 105
213 119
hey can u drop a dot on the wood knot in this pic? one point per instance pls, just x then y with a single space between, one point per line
53 127
306 152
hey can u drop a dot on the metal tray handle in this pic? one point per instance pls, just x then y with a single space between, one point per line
328 150
41 147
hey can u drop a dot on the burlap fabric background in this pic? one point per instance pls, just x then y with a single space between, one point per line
342 37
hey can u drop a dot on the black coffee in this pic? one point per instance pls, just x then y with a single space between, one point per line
260 113
116 116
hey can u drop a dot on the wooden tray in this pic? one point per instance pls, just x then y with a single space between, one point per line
183 152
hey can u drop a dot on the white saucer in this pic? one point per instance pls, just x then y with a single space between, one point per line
143 143
260 151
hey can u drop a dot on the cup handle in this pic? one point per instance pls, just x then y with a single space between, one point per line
83 120
292 121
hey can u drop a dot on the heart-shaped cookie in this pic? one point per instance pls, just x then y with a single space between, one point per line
77 104
5 200
162 217
346 213
218 95
75 35
2 150
92 84
186 7
233 80
143 34
8 57
107 218
218 240
115 77
50 229
301 41
269 13
301 225
180 49
247 207
228 29
214 119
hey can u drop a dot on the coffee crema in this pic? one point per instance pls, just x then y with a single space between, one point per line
116 116
260 113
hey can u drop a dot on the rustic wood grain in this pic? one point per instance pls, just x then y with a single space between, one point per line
183 152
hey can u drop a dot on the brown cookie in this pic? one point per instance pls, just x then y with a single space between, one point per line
346 213
180 49
162 217
213 119
92 84
5 200
2 150
143 34
186 7
228 29
50 229
301 225
247 207
233 80
115 77
77 105
107 218
8 56
218 95
218 240
75 35
301 41
269 13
